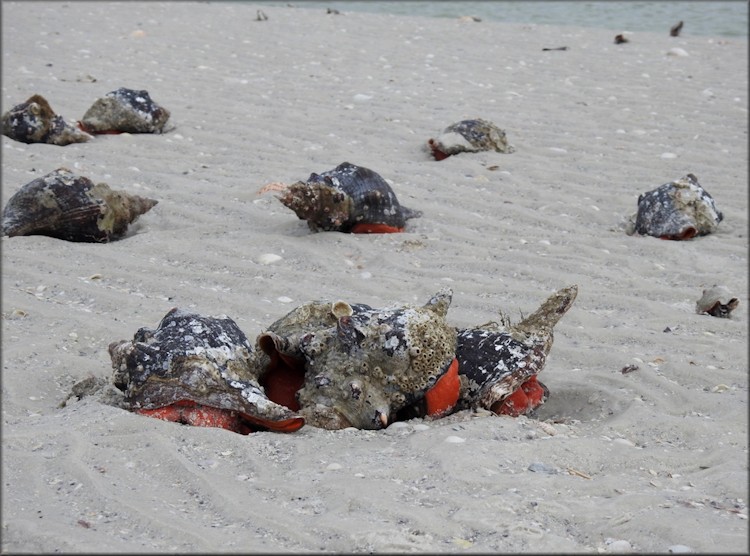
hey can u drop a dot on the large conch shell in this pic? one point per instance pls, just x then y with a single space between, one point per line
349 365
196 370
677 210
498 363
70 207
469 136
348 198
125 110
34 121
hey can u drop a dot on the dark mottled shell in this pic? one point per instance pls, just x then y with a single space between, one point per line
70 207
348 198
363 365
677 210
34 121
206 360
716 301
496 360
125 110
469 136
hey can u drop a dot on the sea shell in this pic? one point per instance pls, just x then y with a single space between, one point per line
469 136
125 110
677 210
70 207
498 363
197 370
355 366
349 198
34 121
716 301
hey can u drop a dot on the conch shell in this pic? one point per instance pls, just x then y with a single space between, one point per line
349 198
469 136
70 207
197 370
34 121
125 110
498 363
356 366
677 210
717 302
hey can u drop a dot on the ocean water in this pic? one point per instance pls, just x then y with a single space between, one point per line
706 18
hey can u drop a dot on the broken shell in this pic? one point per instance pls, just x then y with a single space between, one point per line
70 207
677 210
125 110
349 198
197 370
498 364
469 136
34 121
717 302
360 369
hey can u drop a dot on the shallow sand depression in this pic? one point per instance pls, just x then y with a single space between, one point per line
652 460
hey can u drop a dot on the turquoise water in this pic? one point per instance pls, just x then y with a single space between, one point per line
711 18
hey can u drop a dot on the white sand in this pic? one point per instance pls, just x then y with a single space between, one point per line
647 461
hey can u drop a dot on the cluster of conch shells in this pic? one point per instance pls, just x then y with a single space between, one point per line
349 198
716 301
125 111
196 370
335 365
119 111
34 121
66 206
677 210
469 136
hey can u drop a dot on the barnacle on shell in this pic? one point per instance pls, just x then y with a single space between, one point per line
70 207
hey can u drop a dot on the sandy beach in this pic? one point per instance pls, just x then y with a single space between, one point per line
649 461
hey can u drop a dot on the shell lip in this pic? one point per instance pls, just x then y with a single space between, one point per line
268 416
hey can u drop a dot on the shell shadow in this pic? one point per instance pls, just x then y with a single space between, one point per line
582 403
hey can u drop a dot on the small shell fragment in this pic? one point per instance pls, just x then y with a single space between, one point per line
717 302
